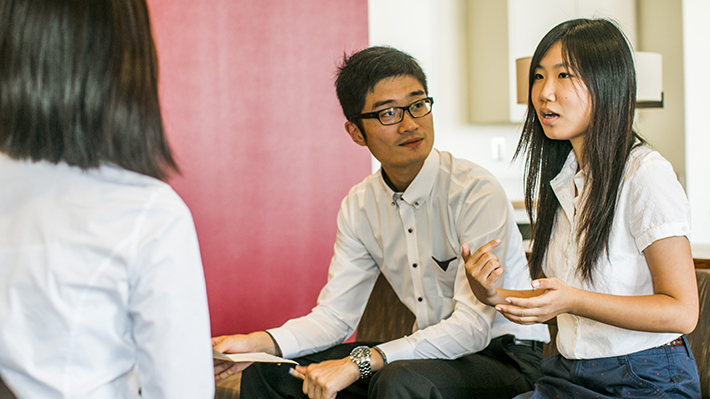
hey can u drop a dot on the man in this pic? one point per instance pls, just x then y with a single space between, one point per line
407 221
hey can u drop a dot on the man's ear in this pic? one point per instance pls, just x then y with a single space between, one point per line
355 133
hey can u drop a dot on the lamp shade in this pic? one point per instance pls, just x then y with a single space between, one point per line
649 79
522 68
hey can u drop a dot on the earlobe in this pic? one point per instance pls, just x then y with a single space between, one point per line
355 133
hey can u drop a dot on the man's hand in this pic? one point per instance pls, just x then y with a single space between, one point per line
239 343
482 271
324 380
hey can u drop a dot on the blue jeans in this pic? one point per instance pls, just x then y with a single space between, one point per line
662 372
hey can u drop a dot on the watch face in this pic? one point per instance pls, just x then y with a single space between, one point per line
361 357
361 353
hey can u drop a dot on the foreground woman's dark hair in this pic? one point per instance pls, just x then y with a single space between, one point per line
79 84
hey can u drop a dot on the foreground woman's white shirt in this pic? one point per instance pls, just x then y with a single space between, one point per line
100 273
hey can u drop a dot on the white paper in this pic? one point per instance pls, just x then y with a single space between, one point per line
260 357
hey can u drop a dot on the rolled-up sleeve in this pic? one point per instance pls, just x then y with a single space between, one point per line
351 276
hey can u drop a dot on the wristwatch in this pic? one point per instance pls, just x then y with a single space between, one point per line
361 357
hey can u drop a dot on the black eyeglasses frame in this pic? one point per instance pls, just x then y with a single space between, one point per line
407 108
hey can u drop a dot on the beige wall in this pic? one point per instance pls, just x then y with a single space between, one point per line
696 55
659 24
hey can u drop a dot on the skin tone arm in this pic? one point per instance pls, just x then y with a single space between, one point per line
672 308
322 380
482 272
258 341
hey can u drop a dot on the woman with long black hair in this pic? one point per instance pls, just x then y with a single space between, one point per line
610 259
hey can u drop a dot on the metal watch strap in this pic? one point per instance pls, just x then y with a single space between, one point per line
382 353
361 357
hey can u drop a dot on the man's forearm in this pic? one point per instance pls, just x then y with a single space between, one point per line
261 341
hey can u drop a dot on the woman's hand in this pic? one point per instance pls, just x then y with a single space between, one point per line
557 297
482 271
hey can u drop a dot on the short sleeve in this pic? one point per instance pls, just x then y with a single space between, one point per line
658 207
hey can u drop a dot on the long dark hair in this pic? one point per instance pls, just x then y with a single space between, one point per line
599 53
79 84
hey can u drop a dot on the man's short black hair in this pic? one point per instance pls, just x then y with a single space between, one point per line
361 71
79 84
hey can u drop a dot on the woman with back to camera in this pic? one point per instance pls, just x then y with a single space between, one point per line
102 290
610 259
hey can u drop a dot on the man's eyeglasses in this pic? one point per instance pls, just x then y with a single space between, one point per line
394 115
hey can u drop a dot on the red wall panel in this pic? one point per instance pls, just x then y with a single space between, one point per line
251 113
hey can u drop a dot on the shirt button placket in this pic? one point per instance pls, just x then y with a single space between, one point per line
407 215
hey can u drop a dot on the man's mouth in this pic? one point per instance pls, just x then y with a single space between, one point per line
411 142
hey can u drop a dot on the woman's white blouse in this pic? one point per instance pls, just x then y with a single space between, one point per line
651 205
101 286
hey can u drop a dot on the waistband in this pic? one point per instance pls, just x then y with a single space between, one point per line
678 345
529 342
676 342
511 339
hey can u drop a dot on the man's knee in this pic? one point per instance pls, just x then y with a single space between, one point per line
398 380
267 380
391 373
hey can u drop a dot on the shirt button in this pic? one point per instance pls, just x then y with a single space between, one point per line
420 299
414 265
410 230
416 203
392 203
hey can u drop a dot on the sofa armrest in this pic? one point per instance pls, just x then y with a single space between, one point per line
700 338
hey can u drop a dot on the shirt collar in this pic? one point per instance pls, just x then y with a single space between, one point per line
420 188
563 185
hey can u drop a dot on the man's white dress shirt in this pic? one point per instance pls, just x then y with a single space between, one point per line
414 238
651 205
101 286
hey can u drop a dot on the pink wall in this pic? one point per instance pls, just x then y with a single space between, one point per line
251 112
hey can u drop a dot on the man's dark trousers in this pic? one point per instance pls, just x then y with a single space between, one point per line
502 370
